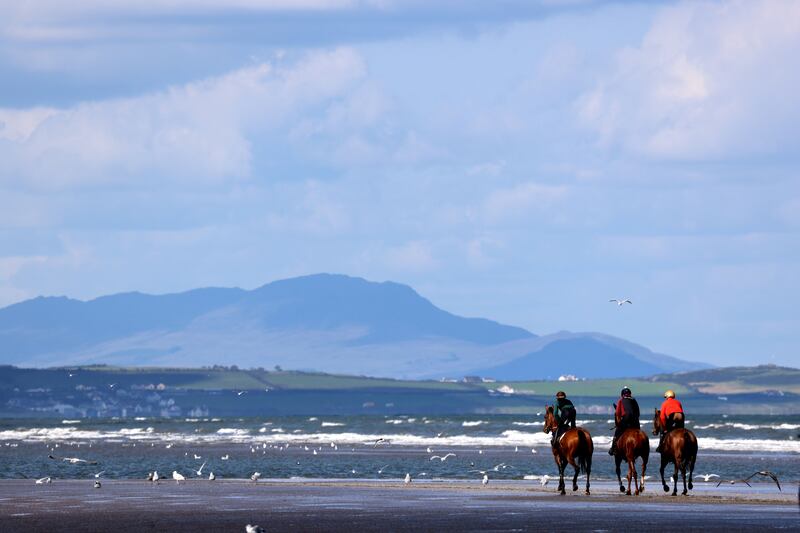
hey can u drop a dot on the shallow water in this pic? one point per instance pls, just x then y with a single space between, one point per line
283 447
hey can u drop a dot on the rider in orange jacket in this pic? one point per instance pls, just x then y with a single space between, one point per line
672 416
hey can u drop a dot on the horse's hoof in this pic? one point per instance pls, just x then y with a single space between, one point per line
684 493
666 488
574 488
628 493
691 486
641 489
675 493
563 492
621 488
587 493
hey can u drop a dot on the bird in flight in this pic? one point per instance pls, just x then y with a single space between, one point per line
621 302
706 477
765 473
200 470
442 458
73 460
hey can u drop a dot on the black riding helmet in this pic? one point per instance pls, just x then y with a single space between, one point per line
561 394
625 392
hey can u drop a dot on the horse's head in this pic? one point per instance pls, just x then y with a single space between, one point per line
657 422
549 419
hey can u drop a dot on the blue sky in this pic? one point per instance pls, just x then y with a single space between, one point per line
522 161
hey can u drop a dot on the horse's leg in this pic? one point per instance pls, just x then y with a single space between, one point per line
664 463
644 469
575 477
635 478
631 472
588 465
683 476
692 459
561 468
675 477
618 460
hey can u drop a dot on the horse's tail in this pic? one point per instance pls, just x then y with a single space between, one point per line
584 450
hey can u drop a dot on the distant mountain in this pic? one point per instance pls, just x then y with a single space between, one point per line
324 322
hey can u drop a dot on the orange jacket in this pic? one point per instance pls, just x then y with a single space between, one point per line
670 405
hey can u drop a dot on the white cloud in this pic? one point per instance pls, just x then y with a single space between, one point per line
196 132
521 199
709 81
415 256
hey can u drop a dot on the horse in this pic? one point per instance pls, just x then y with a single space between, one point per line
631 444
574 447
680 448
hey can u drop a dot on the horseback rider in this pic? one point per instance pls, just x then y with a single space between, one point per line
672 416
627 414
564 413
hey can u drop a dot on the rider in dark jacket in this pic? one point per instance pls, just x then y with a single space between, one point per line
564 413
627 412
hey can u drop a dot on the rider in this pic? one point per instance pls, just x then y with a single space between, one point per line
627 412
564 413
672 416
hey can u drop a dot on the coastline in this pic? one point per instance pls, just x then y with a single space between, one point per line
372 505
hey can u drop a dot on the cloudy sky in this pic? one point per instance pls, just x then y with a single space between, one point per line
523 161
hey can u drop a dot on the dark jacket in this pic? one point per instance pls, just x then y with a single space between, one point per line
628 411
560 406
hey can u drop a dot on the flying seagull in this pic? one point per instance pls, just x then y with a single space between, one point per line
43 480
100 473
200 470
380 441
442 458
765 473
621 302
706 477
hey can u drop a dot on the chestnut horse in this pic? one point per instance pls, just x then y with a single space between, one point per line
575 447
680 448
631 444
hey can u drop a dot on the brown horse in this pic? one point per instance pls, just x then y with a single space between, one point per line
575 447
631 444
680 448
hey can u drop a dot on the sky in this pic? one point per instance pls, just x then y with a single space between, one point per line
523 161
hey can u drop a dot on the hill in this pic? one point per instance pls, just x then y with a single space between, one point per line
324 322
739 379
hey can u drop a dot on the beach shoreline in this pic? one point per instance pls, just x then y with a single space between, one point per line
371 505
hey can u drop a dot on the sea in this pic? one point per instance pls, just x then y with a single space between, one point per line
731 447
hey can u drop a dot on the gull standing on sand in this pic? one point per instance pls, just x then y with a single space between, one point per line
211 476
255 476
177 477
406 480
621 302
485 480
254 529
96 483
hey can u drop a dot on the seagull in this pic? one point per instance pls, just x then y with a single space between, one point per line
197 457
100 473
428 449
211 476
765 473
150 476
516 449
225 457
254 529
381 469
706 477
533 450
255 476
485 479
112 385
380 441
96 484
44 480
200 470
177 477
239 393
442 458
406 480
545 479
621 302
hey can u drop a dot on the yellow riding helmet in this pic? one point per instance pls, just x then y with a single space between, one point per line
669 394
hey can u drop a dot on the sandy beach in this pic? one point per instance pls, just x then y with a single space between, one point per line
336 505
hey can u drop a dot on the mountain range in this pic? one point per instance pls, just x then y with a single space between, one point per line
324 322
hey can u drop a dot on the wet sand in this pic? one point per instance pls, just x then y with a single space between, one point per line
339 505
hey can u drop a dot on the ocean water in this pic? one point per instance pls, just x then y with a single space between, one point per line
345 447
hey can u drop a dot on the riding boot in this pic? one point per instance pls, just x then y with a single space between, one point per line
660 442
613 448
